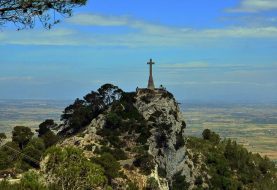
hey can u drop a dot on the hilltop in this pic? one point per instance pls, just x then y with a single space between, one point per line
112 139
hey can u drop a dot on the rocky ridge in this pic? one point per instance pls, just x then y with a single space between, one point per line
165 143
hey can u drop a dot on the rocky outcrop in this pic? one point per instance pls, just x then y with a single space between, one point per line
167 143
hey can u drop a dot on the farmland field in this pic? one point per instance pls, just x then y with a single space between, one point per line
254 126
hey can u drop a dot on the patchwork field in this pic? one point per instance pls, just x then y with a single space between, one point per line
28 113
254 126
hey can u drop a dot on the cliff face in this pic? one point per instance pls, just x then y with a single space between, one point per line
151 122
167 142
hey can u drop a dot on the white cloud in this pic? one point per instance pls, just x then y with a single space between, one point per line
221 83
255 6
146 34
15 78
98 20
190 65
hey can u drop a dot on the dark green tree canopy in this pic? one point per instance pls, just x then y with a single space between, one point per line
2 137
82 111
46 126
22 135
25 13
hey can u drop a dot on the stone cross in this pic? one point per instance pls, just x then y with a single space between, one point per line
151 85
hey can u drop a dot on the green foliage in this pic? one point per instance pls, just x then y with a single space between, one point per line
145 162
132 186
167 94
2 137
198 181
21 135
45 127
71 169
179 182
162 172
29 181
180 141
110 165
81 112
49 139
32 181
110 93
152 184
25 14
8 157
161 140
113 121
34 150
231 166
211 136
76 116
117 153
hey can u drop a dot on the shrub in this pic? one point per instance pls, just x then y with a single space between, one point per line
179 182
211 136
71 169
162 172
21 135
117 153
110 165
32 181
198 181
8 158
50 139
145 163
161 140
180 141
152 184
33 152
132 186
113 121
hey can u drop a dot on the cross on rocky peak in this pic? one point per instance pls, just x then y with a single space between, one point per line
151 85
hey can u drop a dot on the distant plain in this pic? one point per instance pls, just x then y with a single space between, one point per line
254 126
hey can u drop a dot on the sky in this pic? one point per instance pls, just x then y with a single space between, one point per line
204 51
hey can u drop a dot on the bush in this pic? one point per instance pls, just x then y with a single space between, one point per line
110 165
152 184
179 182
45 127
33 152
117 153
50 139
161 140
113 121
32 181
8 158
132 186
198 181
180 141
145 163
211 136
71 169
231 166
162 172
21 135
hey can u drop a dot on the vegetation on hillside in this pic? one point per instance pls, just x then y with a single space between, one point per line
230 166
